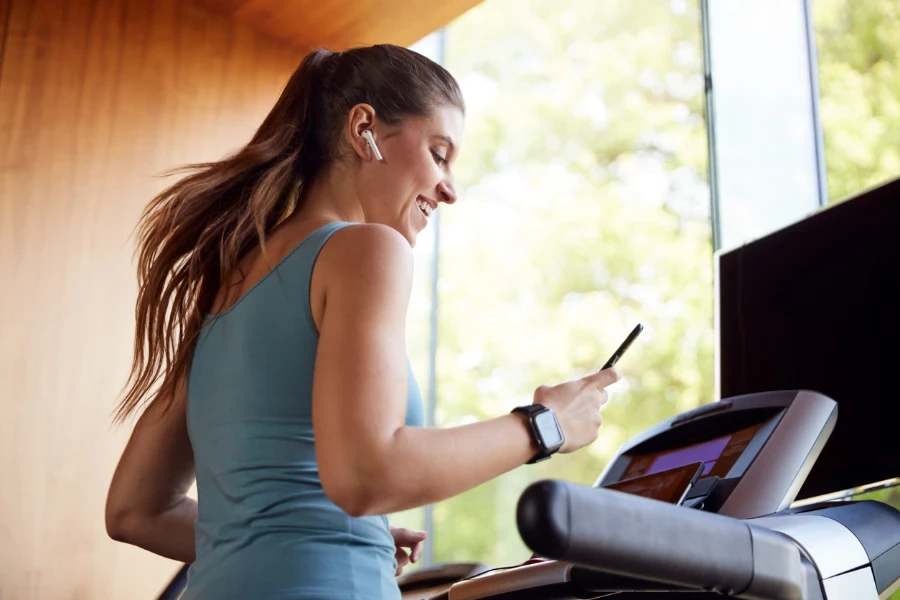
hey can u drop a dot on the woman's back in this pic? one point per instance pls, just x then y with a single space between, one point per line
266 527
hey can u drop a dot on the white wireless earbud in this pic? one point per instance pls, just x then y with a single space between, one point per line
368 135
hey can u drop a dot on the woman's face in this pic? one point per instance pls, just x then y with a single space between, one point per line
405 188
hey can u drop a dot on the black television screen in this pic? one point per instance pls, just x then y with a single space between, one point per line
817 306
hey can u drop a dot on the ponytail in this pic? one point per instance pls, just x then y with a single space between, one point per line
193 234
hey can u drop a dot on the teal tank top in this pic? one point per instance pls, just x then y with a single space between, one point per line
266 529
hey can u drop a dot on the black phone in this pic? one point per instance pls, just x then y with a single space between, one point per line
621 349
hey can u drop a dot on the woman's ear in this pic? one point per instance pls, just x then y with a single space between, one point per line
361 118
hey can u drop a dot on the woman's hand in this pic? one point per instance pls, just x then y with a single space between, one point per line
576 405
407 538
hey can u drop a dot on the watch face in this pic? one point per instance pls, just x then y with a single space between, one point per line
548 429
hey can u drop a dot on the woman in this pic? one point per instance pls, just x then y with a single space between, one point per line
270 347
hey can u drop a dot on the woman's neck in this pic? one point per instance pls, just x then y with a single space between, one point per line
332 198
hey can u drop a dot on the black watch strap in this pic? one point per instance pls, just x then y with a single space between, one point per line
530 411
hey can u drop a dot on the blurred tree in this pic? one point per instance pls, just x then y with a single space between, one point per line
584 210
858 45
889 496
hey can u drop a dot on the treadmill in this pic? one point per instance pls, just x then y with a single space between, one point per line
726 529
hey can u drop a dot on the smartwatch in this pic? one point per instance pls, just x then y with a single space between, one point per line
545 430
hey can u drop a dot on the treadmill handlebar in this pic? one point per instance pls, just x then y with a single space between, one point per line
641 538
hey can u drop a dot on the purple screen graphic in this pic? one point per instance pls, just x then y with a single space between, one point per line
707 453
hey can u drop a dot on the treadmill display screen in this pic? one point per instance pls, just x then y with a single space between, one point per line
717 455
670 486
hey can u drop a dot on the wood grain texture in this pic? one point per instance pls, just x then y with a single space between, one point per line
5 6
96 98
340 24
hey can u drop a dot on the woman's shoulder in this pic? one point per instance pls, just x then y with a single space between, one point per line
368 249
372 237
363 270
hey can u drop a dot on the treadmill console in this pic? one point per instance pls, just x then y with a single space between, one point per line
740 462
671 485
756 451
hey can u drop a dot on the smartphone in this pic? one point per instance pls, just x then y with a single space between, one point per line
621 349
666 486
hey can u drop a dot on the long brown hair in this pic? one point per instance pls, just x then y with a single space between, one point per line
192 235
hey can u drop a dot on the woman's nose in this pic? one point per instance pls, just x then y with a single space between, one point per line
446 192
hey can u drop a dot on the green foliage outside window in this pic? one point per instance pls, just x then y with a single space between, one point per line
584 210
858 43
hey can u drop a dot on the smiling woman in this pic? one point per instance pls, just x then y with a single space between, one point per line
270 346
208 246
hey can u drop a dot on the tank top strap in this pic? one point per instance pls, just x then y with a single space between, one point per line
309 252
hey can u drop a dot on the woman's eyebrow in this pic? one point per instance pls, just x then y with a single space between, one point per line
447 139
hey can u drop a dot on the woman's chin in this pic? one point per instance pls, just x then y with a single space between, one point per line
416 224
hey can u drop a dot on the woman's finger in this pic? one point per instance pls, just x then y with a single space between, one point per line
417 550
604 378
402 557
406 537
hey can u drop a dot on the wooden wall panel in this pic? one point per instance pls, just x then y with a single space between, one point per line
5 6
339 24
96 98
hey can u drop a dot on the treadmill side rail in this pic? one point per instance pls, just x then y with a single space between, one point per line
511 580
641 538
855 585
834 548
777 569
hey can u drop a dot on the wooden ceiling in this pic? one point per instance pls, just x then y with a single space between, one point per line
340 24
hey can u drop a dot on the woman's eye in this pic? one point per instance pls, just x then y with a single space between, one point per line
438 158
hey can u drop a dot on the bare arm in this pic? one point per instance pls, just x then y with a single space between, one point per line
147 504
369 461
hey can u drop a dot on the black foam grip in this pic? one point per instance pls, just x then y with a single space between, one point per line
636 537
